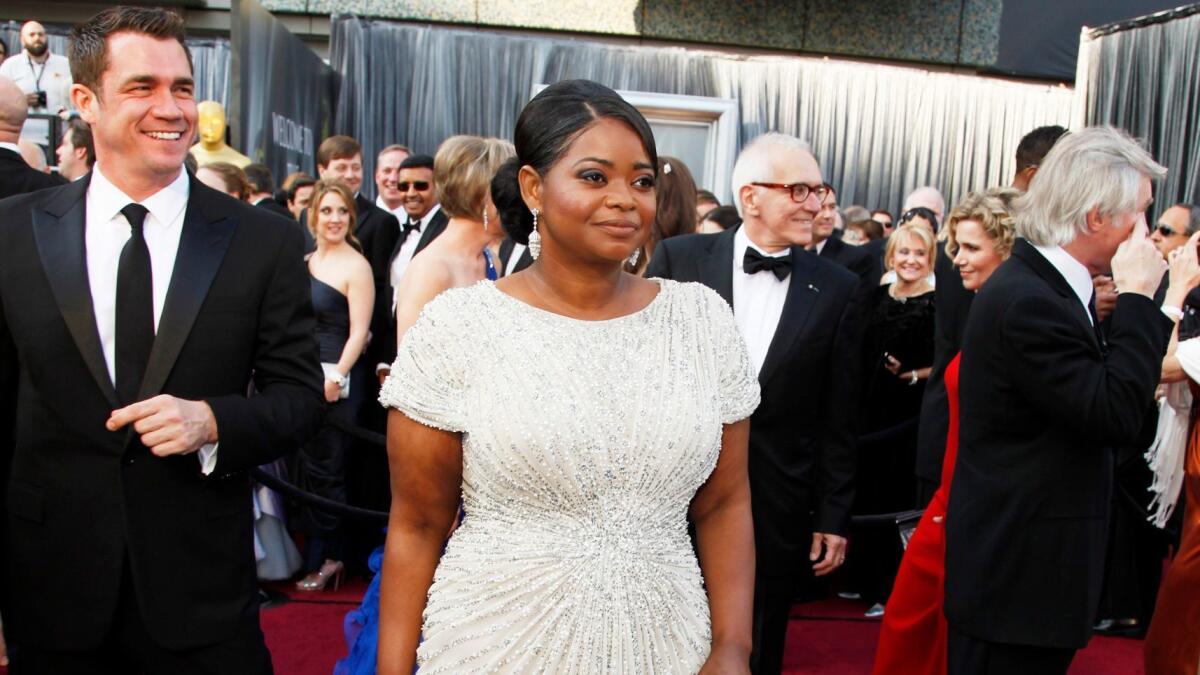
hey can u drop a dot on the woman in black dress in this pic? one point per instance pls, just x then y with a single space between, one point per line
898 353
343 294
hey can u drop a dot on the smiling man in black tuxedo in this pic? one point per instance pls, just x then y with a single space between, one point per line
1045 394
802 326
136 305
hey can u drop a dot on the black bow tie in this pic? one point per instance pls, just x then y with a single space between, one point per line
755 262
412 225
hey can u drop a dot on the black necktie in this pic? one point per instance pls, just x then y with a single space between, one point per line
755 262
408 228
135 308
1100 339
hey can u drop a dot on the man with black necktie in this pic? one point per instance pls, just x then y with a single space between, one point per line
802 326
1045 397
135 306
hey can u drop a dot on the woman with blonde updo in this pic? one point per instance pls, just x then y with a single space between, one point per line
470 246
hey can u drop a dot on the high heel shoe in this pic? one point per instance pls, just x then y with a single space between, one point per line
317 581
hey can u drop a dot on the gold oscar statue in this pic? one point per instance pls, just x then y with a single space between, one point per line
212 147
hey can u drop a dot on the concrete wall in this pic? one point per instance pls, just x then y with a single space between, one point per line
949 32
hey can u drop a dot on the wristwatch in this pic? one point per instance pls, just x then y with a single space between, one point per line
914 378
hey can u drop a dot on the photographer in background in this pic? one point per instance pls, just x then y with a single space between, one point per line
44 77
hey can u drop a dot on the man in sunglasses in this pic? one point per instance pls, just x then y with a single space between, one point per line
1174 227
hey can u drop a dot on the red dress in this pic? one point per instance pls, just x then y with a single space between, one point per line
912 639
1173 643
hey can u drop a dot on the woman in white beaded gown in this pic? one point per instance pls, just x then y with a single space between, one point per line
583 414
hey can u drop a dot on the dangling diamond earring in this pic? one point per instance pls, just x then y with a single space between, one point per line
535 239
634 257
485 223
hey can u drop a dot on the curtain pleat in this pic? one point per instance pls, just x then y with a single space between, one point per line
879 131
1146 80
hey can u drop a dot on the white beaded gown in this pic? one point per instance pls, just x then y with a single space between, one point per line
583 445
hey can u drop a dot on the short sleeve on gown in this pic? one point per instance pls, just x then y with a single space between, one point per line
427 380
738 387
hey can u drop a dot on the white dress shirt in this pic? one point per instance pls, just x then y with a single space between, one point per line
514 257
757 300
407 250
106 232
1076 273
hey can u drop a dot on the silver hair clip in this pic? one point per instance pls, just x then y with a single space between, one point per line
666 167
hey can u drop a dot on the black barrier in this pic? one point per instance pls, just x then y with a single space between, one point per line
322 504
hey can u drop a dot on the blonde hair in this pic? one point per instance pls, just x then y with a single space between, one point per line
913 230
324 187
463 171
993 210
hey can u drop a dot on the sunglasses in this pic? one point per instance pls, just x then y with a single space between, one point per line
418 185
1166 231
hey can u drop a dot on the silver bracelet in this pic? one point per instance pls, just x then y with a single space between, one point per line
914 378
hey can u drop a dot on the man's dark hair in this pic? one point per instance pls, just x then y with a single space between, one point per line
1033 147
81 137
417 162
301 182
1193 224
337 147
706 197
725 216
260 178
88 49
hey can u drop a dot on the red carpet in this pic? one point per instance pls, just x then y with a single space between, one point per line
825 638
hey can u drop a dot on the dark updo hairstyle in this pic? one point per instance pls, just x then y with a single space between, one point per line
547 126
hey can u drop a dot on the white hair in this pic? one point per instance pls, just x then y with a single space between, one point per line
756 161
928 197
1098 168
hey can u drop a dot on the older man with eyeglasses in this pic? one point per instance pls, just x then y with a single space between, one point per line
802 326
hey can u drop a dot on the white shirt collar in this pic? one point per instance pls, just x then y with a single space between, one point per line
165 205
11 146
1076 273
429 216
741 241
395 212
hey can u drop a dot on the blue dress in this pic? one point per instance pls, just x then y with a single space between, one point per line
362 624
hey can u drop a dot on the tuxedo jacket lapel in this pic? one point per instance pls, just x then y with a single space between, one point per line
202 246
716 269
59 233
1050 274
801 296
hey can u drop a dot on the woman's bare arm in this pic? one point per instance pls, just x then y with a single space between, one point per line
725 539
426 475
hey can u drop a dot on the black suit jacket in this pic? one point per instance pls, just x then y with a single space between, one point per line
1041 405
952 303
802 436
18 178
82 502
382 249
859 260
506 249
273 206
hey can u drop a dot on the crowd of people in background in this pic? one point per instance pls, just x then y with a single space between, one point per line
871 471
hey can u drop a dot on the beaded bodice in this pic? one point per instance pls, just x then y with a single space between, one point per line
583 445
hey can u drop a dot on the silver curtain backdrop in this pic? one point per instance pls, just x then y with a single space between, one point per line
210 57
879 131
1144 77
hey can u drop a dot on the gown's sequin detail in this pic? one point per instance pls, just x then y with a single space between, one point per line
583 445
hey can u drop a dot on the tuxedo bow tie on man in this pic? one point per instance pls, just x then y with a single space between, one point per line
802 326
136 305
